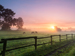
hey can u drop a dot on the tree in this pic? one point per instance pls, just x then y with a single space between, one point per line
7 16
1 10
7 20
19 23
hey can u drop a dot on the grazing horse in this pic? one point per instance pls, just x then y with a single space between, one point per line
23 32
32 32
36 32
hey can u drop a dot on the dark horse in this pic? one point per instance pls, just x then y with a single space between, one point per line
23 32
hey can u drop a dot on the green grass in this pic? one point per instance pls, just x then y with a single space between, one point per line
71 52
64 51
16 43
45 49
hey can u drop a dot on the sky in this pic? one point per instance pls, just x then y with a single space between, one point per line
41 14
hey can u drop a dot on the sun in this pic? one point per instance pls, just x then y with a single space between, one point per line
52 27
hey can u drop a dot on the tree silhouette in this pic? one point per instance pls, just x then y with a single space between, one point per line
19 23
1 10
7 20
7 16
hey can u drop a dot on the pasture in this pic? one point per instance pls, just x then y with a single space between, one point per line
19 34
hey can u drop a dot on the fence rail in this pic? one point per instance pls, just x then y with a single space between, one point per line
1 42
4 41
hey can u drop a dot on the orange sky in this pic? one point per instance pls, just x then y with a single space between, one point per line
41 14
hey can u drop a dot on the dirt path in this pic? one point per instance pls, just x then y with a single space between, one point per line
54 51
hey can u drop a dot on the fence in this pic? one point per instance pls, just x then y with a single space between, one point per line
4 41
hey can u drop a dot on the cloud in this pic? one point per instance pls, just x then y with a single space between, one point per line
58 29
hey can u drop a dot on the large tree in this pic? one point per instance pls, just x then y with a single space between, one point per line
7 16
1 10
7 20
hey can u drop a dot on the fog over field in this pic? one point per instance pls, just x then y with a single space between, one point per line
37 27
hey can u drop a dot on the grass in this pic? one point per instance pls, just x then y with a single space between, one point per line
16 43
71 52
64 51
45 49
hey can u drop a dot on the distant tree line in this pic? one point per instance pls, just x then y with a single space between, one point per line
7 19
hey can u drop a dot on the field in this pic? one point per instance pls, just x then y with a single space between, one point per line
19 34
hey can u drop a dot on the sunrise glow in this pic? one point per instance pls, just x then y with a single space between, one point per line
52 27
38 15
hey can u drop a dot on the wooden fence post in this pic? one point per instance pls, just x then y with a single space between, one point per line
4 46
35 43
66 37
51 39
60 38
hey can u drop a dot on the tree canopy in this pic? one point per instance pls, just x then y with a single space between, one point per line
7 19
20 23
